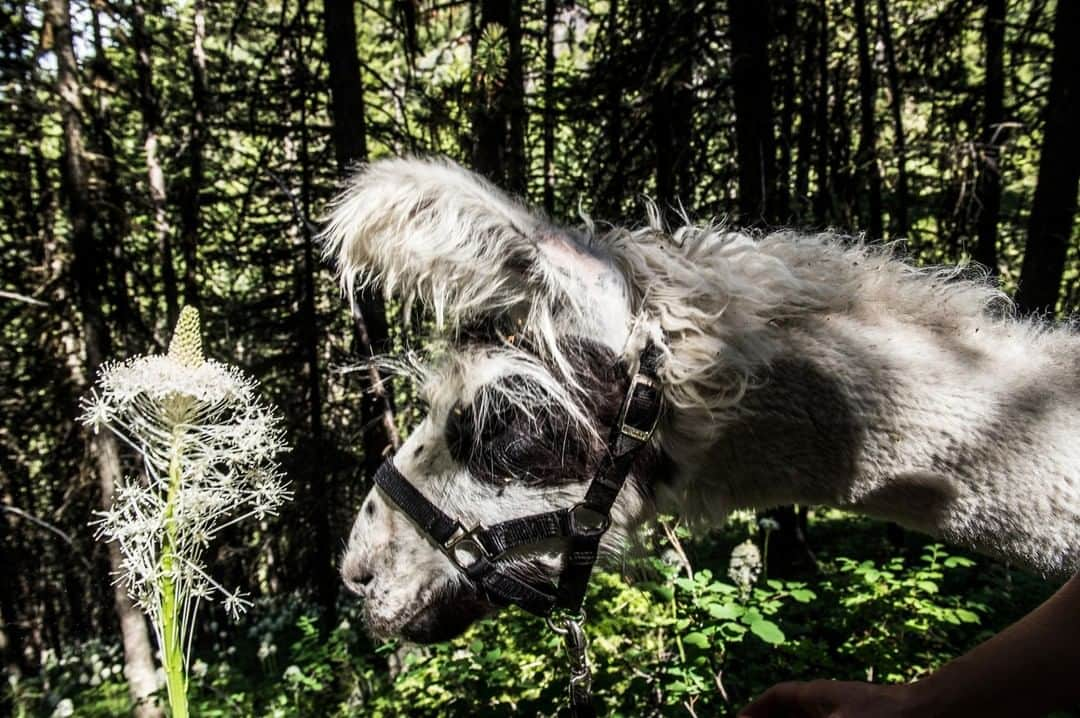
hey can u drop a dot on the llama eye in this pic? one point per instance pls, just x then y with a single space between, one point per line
495 439
472 436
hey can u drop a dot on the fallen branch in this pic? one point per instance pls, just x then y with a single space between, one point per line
41 523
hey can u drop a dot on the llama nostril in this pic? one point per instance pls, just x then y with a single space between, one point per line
358 582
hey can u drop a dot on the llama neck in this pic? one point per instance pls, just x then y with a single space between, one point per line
968 434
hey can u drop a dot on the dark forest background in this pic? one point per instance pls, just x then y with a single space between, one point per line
156 153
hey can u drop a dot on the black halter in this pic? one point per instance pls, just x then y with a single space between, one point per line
477 552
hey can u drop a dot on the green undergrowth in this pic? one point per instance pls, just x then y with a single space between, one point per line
663 642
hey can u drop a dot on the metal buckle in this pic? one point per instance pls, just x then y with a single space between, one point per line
580 527
570 627
633 432
465 543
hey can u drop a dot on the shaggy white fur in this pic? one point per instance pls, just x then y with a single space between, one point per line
431 231
798 368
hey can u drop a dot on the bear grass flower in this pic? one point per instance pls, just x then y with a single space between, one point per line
744 567
207 446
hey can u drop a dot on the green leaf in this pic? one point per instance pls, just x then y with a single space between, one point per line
768 631
958 561
696 639
685 584
967 616
726 611
732 631
803 595
928 586
751 616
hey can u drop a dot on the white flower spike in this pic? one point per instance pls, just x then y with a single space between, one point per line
207 446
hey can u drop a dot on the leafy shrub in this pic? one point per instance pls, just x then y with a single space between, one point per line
662 643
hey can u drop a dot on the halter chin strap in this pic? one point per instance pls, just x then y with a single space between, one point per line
477 552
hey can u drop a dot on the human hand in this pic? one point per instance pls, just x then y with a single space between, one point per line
828 699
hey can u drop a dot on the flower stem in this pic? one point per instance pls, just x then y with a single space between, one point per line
172 650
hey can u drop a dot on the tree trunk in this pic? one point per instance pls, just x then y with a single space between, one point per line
1052 211
321 502
805 140
866 156
138 655
139 666
754 146
788 22
150 109
549 106
661 104
112 198
346 87
191 206
842 192
823 195
517 171
988 185
406 10
498 116
898 218
672 102
371 333
612 187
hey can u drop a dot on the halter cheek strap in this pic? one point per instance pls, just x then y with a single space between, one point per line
478 552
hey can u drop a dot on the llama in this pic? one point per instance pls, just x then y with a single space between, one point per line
795 368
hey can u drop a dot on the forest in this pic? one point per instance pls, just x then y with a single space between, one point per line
157 154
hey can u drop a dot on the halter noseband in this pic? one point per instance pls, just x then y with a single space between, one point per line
478 552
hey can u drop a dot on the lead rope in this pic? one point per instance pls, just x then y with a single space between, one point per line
571 628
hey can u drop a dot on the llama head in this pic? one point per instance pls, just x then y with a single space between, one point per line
526 379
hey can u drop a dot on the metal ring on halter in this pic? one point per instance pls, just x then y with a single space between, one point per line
563 617
465 545
586 520
577 653
476 552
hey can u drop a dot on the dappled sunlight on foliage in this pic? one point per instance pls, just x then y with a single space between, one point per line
660 641
157 154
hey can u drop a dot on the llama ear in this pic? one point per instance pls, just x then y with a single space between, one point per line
428 229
